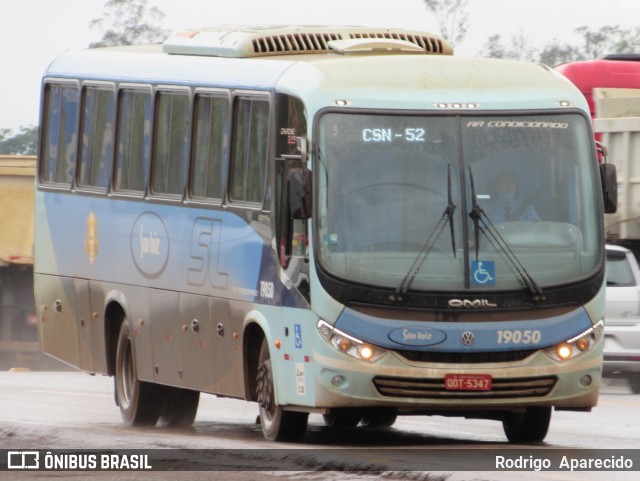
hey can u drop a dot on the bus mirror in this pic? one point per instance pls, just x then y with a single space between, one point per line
609 187
300 193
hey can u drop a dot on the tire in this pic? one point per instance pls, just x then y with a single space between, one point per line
527 427
341 420
179 407
138 400
634 382
383 418
277 424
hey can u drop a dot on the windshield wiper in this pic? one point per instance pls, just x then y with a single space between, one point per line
447 216
478 215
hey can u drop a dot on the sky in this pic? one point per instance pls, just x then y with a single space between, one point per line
33 32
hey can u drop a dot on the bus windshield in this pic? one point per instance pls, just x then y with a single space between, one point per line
392 188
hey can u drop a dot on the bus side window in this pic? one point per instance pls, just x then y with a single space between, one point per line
134 139
171 142
210 146
249 151
96 154
60 134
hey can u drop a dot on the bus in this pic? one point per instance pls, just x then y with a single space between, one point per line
299 217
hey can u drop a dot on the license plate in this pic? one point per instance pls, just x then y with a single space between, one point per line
467 382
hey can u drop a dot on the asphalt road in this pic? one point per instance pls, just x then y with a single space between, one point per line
76 412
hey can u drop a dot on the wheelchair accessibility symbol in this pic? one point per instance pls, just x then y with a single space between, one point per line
483 273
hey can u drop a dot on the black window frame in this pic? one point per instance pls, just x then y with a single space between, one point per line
147 136
94 187
224 150
147 127
53 182
166 166
242 96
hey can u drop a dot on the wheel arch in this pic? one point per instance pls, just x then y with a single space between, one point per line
255 329
114 313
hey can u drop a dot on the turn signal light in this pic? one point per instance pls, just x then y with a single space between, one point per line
583 343
348 344
575 346
344 344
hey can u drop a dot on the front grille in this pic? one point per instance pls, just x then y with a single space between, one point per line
423 388
465 357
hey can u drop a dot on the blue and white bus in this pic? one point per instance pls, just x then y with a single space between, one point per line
314 219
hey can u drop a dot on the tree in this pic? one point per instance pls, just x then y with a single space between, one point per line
495 48
452 18
24 142
129 22
608 39
592 44
555 53
518 48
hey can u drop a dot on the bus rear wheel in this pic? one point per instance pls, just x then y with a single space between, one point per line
334 420
179 407
138 400
530 426
277 424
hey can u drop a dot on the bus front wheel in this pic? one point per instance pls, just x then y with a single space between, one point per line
382 418
277 424
530 426
139 405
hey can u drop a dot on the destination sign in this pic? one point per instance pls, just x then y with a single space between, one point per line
410 134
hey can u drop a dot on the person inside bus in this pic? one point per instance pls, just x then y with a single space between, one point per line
505 205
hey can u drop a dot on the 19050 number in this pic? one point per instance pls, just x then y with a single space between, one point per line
518 336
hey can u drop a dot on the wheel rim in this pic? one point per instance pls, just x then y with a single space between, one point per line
127 375
264 390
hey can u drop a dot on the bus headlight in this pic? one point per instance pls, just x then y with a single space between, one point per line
576 345
348 344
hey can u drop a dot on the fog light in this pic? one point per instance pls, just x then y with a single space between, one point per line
338 380
564 351
586 380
